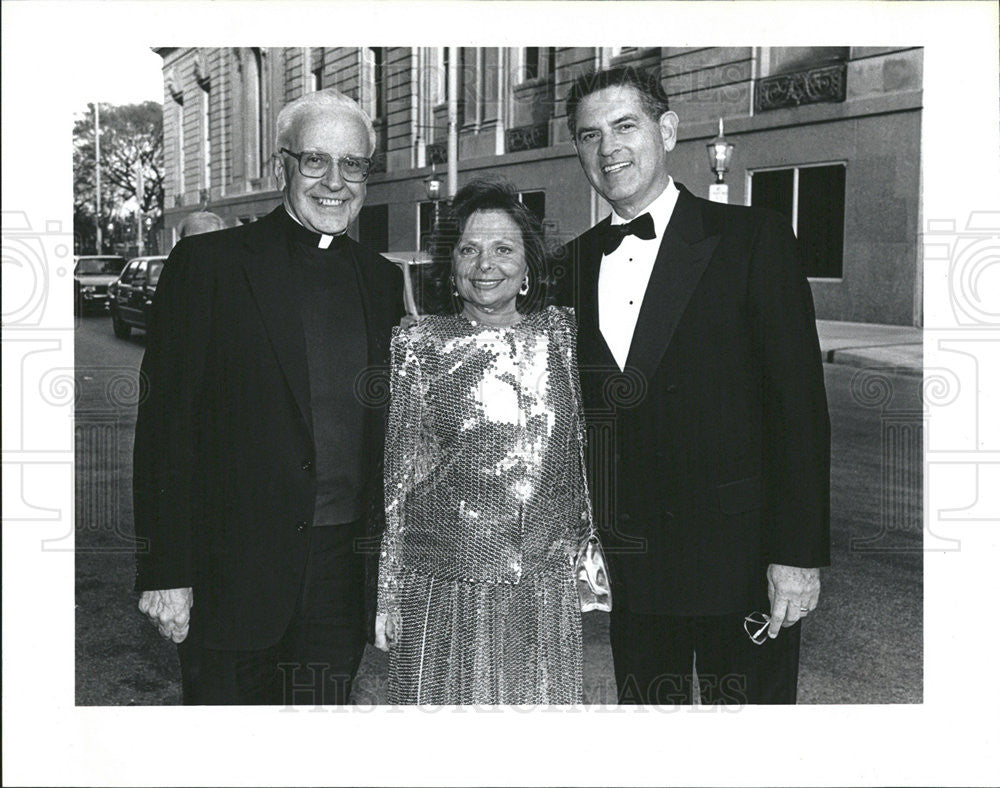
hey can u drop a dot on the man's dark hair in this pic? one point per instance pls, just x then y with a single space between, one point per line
647 84
483 195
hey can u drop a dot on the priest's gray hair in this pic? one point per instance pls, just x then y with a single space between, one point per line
328 99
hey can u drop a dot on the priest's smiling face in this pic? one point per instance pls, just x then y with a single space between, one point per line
325 205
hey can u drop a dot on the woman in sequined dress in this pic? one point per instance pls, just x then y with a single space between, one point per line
486 501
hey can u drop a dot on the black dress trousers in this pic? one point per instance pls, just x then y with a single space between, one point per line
654 656
318 655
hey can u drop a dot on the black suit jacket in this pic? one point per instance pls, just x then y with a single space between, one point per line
709 454
224 487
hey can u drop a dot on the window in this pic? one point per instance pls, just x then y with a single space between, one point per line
537 62
253 116
534 202
317 79
447 60
425 225
99 265
206 140
813 199
129 273
180 147
155 267
378 76
532 63
139 277
373 227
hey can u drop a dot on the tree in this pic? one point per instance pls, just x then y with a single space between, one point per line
131 140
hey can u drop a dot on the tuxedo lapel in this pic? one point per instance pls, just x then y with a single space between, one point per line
268 270
593 349
683 256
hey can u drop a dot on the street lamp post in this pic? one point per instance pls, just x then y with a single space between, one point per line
433 188
720 153
138 211
97 174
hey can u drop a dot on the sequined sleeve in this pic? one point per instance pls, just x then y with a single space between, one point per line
400 459
563 326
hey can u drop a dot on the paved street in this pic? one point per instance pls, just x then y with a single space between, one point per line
864 644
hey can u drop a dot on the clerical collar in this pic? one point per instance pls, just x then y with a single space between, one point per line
301 234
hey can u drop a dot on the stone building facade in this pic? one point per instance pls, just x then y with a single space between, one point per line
830 136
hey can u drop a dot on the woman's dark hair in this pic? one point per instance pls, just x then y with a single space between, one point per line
482 195
647 83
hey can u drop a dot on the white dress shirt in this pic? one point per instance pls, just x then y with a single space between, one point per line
624 276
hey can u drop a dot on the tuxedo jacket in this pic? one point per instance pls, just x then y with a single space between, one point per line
709 455
224 478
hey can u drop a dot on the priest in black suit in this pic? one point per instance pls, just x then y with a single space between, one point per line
258 485
709 432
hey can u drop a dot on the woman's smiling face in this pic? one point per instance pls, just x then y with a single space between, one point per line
489 262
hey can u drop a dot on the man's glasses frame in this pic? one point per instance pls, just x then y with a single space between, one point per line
354 169
755 625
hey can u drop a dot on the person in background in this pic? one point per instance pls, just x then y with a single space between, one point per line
200 222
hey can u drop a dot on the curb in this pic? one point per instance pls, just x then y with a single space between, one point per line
864 358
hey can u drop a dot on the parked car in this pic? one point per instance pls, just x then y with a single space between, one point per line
130 296
91 276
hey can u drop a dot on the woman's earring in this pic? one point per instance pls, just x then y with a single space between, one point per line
525 285
454 287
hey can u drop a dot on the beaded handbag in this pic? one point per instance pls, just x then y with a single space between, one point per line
591 572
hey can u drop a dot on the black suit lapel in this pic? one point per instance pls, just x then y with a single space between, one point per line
683 256
593 349
268 270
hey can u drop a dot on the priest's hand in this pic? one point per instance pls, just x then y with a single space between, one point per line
169 611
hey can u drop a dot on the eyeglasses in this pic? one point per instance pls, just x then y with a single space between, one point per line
755 625
315 164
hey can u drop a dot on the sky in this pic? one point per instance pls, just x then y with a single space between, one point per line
116 73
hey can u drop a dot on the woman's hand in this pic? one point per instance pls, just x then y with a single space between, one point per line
385 632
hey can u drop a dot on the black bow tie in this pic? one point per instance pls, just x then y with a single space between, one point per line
640 226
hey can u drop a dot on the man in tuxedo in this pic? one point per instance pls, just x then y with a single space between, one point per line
257 478
709 432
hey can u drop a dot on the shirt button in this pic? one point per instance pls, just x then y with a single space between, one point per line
306 465
301 525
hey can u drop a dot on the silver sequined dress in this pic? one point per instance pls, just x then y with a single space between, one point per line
486 506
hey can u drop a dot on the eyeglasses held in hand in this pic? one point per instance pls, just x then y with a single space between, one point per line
755 625
316 164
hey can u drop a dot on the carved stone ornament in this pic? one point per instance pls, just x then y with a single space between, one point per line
173 84
437 153
527 137
201 73
815 86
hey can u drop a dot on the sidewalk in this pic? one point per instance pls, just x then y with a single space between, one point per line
899 348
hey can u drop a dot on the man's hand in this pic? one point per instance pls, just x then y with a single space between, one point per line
385 632
794 593
169 611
